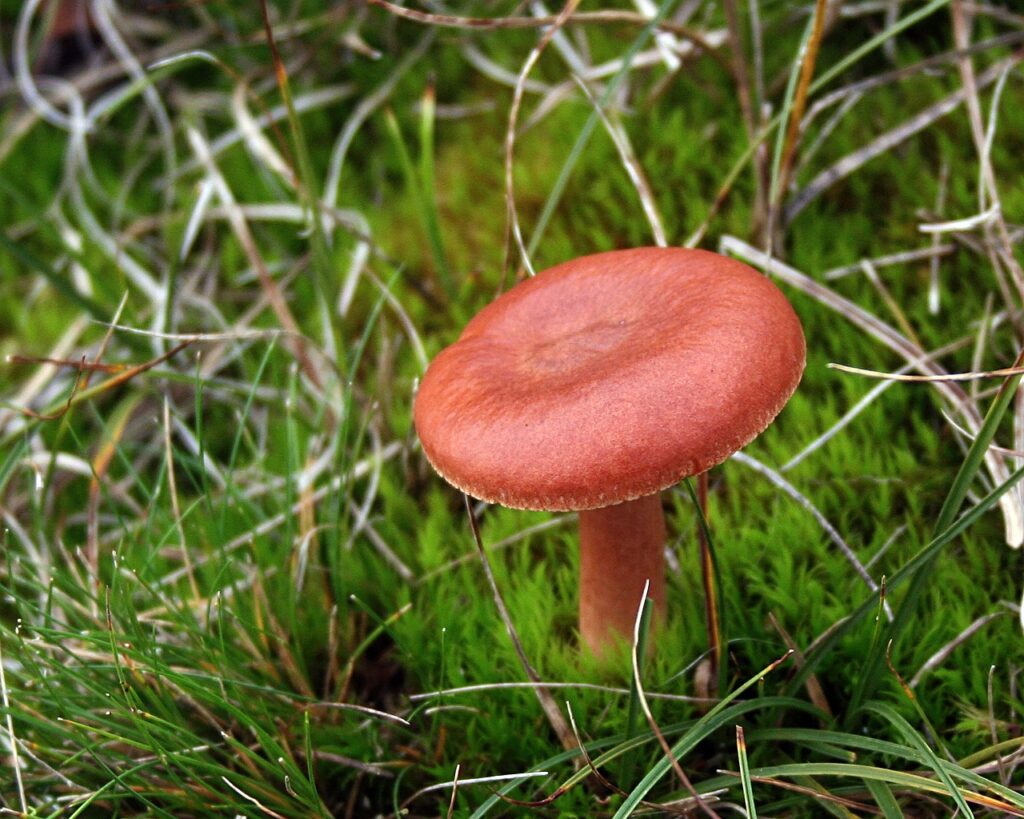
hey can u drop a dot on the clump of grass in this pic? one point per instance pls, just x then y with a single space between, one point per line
229 247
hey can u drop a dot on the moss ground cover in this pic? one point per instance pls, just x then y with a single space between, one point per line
231 584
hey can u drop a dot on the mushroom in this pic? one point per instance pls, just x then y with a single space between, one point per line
598 383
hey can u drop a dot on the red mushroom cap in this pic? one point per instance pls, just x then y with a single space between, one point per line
609 377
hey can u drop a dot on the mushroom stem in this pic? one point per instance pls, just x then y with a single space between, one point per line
621 548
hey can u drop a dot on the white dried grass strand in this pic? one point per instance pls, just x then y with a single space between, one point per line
943 653
367 105
807 155
1016 453
967 223
23 70
886 141
39 557
501 686
403 318
903 257
862 404
478 780
251 798
498 73
311 101
204 197
357 264
667 42
254 138
361 516
191 443
779 481
512 213
934 291
384 549
12 738
560 41
873 326
359 470
172 491
141 278
364 709
63 461
927 379
631 165
103 12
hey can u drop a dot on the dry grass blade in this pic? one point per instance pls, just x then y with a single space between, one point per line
634 170
940 656
905 257
491 23
927 379
248 243
513 226
15 761
889 140
831 798
813 684
961 35
172 489
499 686
455 790
547 702
250 798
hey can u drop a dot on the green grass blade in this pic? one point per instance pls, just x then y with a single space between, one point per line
925 554
701 729
877 41
748 788
716 608
915 739
428 192
60 284
882 794
950 508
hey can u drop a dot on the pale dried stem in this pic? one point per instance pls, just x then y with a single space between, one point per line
890 139
510 132
940 656
634 170
248 242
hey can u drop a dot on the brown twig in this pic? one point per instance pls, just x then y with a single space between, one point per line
813 685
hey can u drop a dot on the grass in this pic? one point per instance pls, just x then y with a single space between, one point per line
231 583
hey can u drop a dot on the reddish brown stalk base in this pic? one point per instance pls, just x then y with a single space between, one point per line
621 548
